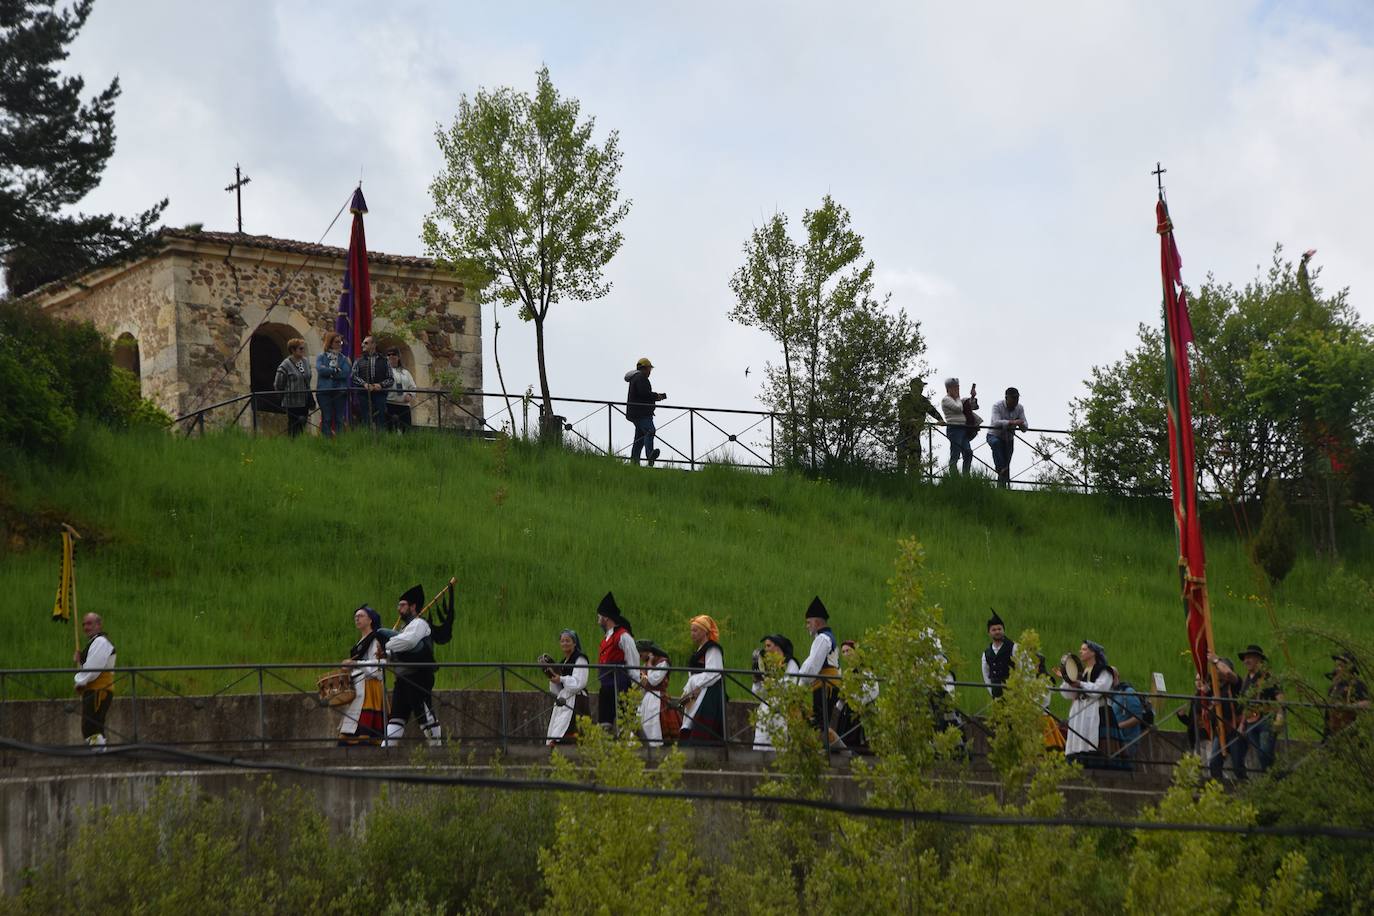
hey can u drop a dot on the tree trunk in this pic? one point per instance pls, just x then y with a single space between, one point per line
549 428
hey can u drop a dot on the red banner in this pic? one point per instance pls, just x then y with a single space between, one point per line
1178 333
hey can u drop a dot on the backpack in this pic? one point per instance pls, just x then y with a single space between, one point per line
1147 711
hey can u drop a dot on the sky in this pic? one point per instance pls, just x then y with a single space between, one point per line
996 157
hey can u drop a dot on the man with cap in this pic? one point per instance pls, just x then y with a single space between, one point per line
618 662
959 413
997 657
639 410
1007 417
1260 694
411 652
95 680
1348 694
653 677
821 667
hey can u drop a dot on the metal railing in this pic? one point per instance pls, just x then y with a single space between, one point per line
496 704
688 437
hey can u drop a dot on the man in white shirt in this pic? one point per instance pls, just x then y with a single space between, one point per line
411 651
95 680
1007 417
821 669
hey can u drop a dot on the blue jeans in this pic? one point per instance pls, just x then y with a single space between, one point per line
644 438
1001 457
333 411
1236 747
1260 736
374 404
959 447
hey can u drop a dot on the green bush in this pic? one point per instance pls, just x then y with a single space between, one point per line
1275 548
57 372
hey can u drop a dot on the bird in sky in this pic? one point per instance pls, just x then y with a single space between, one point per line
746 371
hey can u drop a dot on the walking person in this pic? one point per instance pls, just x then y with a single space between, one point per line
364 720
618 661
1225 719
821 668
332 371
999 657
411 651
372 379
703 696
768 722
95 680
400 398
293 381
639 410
1347 697
1085 694
568 684
959 413
653 677
1007 417
1263 709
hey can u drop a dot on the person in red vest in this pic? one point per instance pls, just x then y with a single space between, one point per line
618 661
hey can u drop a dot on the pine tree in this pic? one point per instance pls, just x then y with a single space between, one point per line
1275 548
53 149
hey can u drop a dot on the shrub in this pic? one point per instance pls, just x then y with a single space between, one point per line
1275 548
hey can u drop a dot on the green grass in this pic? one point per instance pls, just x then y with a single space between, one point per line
233 549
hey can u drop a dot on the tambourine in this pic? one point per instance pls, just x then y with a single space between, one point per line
1072 667
546 662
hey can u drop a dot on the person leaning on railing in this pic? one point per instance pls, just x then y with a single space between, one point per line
1007 417
401 398
332 369
293 381
961 423
372 377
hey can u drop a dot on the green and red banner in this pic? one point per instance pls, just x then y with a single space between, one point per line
1178 333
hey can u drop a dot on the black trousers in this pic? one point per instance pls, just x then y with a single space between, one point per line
296 420
414 696
95 706
398 417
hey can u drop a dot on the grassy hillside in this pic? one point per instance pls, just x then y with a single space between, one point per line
239 549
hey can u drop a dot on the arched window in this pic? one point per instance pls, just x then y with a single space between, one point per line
126 353
266 350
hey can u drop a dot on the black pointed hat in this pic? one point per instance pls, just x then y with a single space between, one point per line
994 620
817 609
611 611
415 595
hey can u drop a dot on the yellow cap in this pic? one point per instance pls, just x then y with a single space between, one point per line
644 363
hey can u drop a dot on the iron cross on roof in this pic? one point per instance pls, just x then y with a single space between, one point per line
237 187
1159 177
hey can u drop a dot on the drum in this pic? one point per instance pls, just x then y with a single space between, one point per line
1073 668
336 688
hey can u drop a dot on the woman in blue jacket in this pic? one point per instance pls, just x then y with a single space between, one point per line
332 369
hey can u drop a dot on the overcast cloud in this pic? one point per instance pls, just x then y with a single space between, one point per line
996 156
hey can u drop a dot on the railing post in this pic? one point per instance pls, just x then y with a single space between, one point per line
253 408
439 410
505 725
772 444
262 714
610 444
133 702
692 437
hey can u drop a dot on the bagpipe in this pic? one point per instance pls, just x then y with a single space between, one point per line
441 626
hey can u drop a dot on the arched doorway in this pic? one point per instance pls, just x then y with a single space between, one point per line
125 353
266 350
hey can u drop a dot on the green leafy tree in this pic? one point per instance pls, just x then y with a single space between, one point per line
527 209
53 151
1281 374
1275 548
846 353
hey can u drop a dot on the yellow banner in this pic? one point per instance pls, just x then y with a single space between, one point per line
66 583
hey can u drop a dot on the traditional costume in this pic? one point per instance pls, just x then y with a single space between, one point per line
570 694
767 722
411 651
703 722
821 669
1347 690
652 707
1085 706
618 660
95 684
364 721
850 720
998 660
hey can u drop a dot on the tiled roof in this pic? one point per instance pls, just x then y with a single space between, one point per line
289 245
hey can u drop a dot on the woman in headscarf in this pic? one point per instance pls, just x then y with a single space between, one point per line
1085 696
653 677
703 696
768 723
568 684
364 721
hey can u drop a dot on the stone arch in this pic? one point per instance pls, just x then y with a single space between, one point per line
263 347
415 358
126 354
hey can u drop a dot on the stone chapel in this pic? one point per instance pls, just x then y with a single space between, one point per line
196 320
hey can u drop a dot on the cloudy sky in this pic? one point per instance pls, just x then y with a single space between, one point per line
996 156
